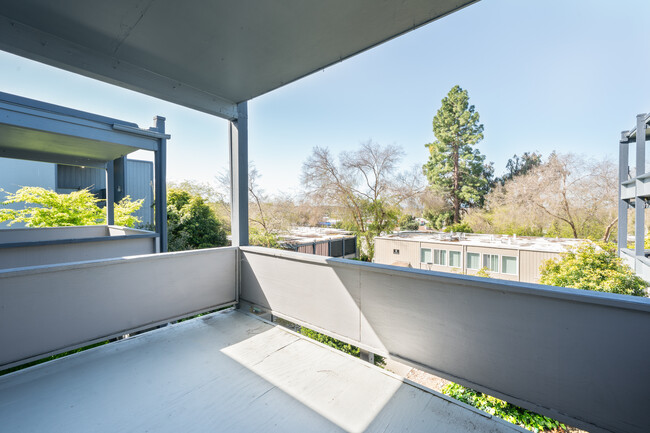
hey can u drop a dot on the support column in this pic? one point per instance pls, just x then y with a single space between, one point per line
367 356
160 194
639 203
238 132
110 193
119 176
623 174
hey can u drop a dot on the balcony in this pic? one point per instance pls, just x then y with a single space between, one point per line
577 356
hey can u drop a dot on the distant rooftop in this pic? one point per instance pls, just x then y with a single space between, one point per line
300 235
488 240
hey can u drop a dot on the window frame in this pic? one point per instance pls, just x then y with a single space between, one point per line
441 257
430 255
516 265
489 268
460 259
467 261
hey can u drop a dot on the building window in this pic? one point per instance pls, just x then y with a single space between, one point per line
425 255
440 257
454 259
491 262
473 261
509 265
395 251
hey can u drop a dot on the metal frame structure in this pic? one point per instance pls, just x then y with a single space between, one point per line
37 131
634 191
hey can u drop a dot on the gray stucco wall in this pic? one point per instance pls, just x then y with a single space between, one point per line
48 245
578 356
48 309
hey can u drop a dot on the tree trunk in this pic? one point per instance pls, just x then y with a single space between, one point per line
456 187
608 231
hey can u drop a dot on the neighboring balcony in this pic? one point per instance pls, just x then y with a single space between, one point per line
580 357
639 186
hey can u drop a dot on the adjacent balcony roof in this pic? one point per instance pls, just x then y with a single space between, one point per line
38 131
205 54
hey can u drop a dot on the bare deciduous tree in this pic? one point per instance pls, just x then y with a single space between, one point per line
365 184
568 193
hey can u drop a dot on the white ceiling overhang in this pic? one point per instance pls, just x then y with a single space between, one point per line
208 55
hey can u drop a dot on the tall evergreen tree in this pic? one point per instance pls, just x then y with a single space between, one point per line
455 167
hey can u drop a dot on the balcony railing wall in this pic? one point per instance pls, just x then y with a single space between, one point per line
578 356
52 308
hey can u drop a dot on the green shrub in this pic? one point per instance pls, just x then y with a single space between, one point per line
504 410
592 266
458 228
338 344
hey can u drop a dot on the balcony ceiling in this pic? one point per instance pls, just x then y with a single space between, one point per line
205 54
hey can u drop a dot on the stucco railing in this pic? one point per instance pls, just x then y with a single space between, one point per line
580 357
52 308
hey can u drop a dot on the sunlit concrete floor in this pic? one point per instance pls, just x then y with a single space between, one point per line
228 371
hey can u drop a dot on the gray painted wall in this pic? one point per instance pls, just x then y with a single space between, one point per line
51 308
16 173
49 245
578 356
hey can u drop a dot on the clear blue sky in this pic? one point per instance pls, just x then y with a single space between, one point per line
544 75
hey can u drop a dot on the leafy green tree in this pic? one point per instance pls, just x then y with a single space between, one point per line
50 209
458 228
191 224
456 168
592 266
263 238
439 219
520 165
408 222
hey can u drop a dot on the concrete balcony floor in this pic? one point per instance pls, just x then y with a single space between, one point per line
228 371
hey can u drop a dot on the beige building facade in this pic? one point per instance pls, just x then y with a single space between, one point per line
506 257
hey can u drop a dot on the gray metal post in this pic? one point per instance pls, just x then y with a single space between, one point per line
119 176
367 356
639 203
238 132
160 199
110 193
623 173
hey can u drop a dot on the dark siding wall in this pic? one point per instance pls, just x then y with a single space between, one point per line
139 185
75 178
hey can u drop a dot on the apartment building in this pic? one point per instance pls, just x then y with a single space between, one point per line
514 258
320 241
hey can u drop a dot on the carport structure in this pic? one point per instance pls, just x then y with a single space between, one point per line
551 350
